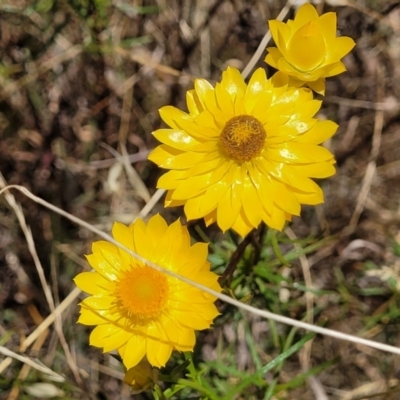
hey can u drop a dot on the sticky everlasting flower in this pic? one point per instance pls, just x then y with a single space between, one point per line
138 310
307 48
244 153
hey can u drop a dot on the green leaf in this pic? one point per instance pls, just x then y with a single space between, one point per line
268 367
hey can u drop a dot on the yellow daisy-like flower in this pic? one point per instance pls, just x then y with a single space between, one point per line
140 311
307 48
244 153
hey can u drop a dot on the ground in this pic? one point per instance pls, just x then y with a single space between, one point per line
81 83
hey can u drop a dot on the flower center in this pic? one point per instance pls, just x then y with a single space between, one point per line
243 138
142 292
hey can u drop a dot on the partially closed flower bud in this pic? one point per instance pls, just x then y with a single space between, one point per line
141 377
308 50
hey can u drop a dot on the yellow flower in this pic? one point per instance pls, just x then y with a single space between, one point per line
141 377
140 311
245 153
307 48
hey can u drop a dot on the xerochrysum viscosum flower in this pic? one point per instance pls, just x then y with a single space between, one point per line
307 48
244 153
142 312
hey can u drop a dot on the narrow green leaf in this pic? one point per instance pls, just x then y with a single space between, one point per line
268 367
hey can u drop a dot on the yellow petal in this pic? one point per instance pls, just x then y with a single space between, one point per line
299 123
192 208
210 218
172 203
294 152
306 49
285 199
261 180
251 204
93 283
205 167
224 101
242 225
202 127
134 351
192 187
335 69
158 353
105 259
171 179
276 219
196 185
99 302
116 340
305 14
205 93
172 116
343 46
187 339
156 226
328 22
100 334
318 170
310 198
306 109
193 103
291 176
255 88
280 33
90 317
232 81
172 242
175 138
192 320
228 210
273 57
320 132
212 197
122 234
318 86
193 259
163 155
280 79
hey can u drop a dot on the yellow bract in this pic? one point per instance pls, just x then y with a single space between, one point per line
244 153
140 311
308 49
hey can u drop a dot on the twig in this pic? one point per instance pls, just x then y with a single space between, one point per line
305 352
226 277
263 44
109 162
42 368
369 105
371 167
151 203
29 239
131 173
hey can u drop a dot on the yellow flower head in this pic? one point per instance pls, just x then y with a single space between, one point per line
140 311
141 377
307 48
244 153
